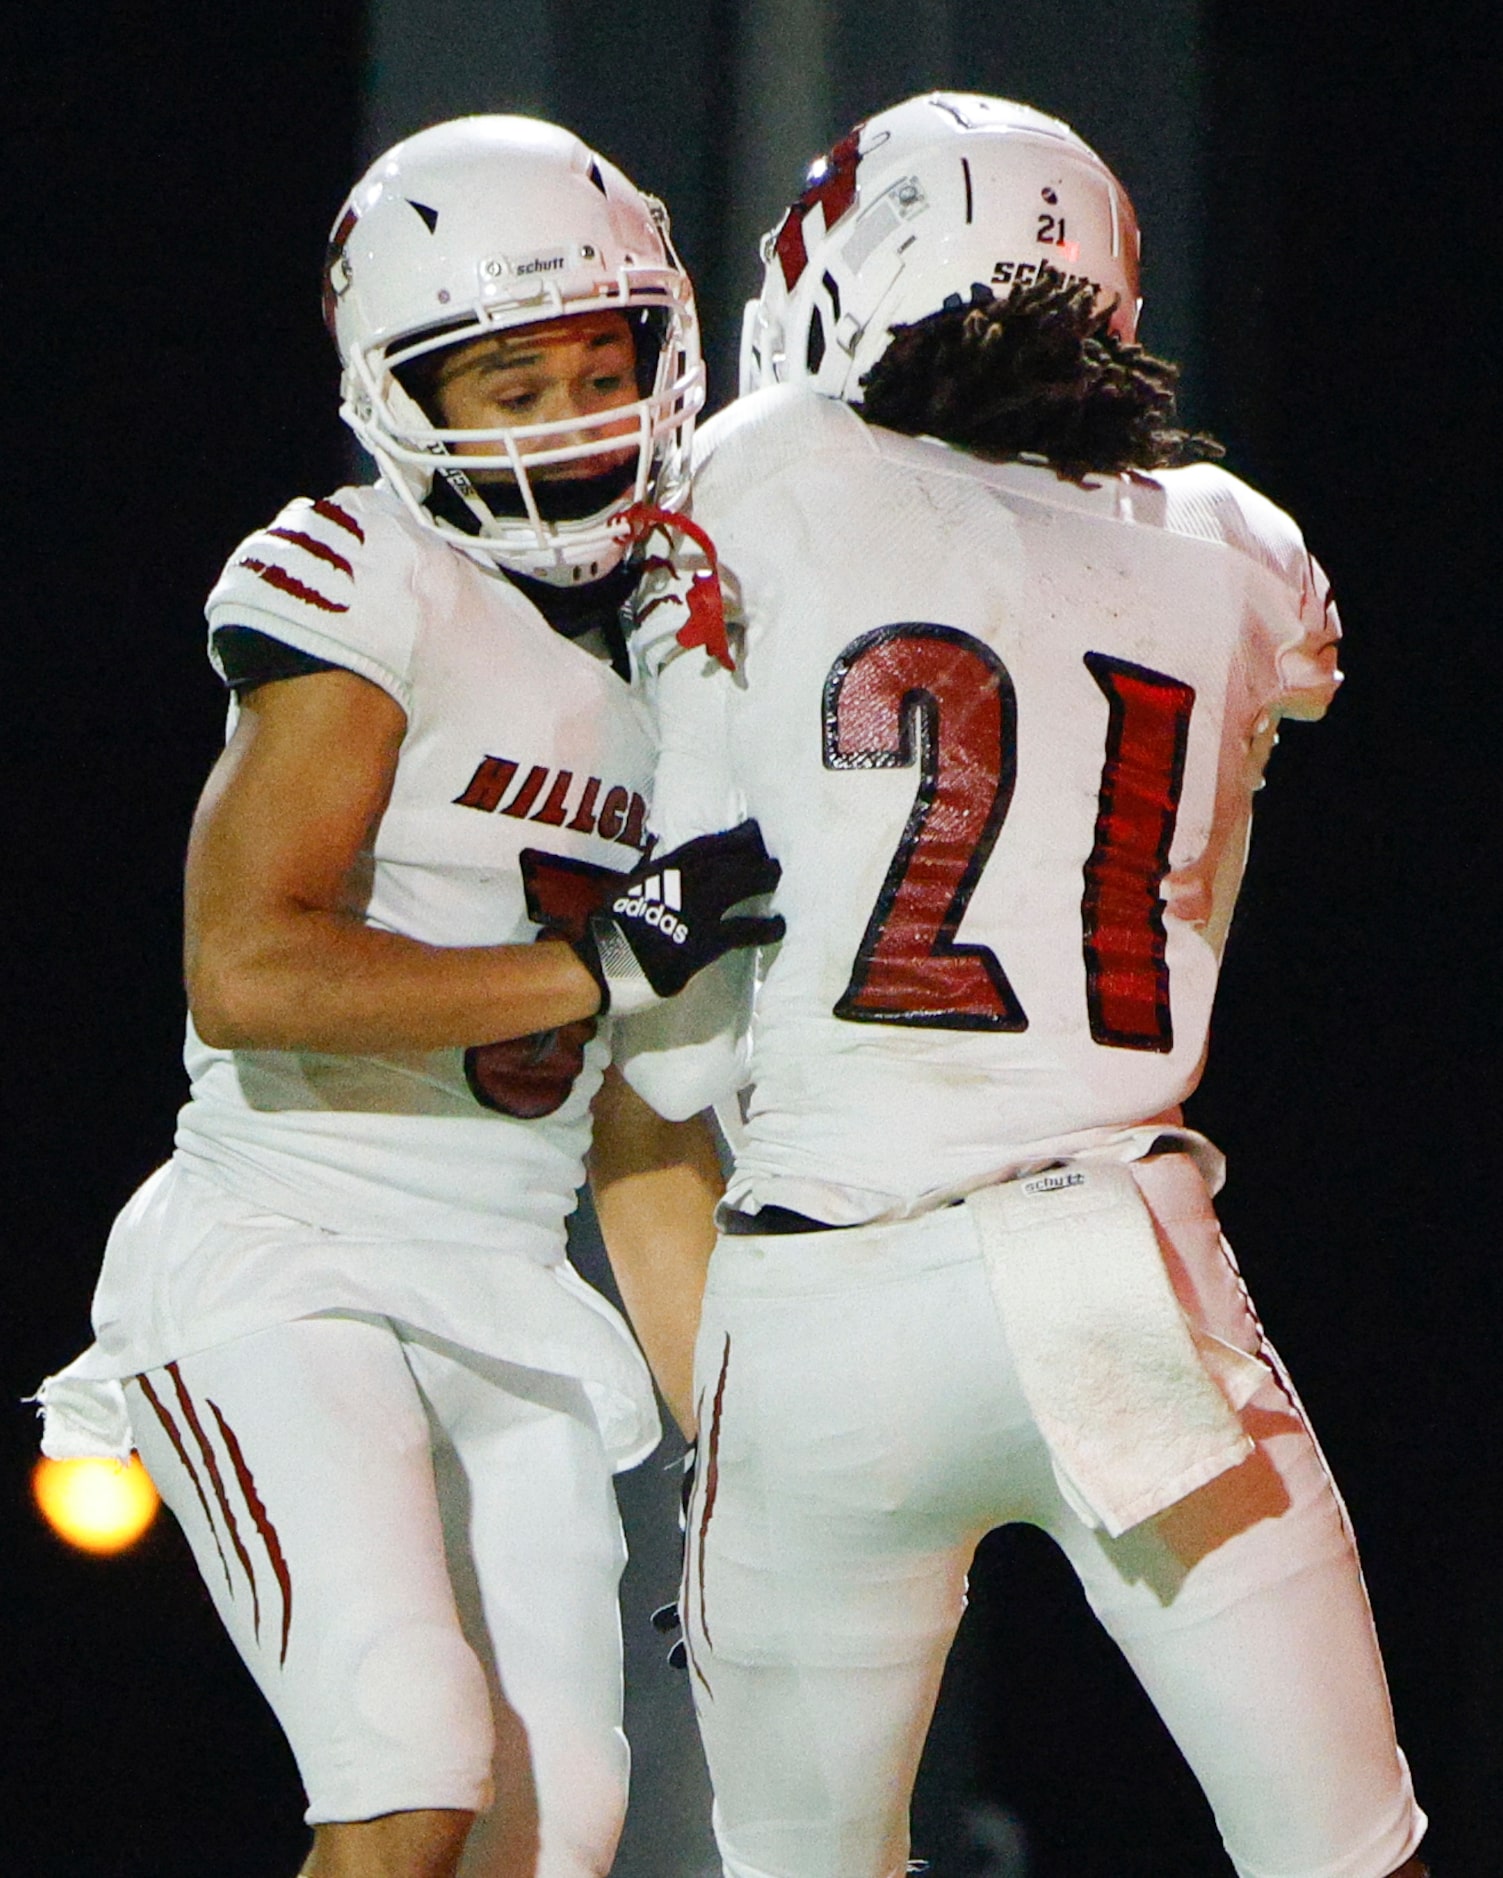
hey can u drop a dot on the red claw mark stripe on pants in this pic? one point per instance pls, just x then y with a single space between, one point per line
707 1510
246 1482
217 1480
174 1435
264 1526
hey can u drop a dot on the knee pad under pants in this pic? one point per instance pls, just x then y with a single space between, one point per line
416 1552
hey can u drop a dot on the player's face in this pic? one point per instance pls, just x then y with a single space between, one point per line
547 373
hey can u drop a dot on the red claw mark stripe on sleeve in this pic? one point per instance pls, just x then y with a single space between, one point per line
284 582
264 1526
341 518
320 550
705 625
832 188
174 1435
277 576
190 1414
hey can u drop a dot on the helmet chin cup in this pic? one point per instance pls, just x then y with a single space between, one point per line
915 210
484 225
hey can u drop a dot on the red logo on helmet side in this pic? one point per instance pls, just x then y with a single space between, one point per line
332 259
832 186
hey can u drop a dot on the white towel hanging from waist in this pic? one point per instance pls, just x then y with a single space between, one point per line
1119 1384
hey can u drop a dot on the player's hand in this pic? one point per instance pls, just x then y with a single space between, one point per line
672 918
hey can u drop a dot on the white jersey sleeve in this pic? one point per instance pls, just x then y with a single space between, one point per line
1296 629
332 578
691 693
1308 677
691 1052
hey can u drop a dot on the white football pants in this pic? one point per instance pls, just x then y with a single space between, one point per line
861 1428
417 1552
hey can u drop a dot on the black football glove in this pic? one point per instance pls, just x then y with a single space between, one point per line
670 918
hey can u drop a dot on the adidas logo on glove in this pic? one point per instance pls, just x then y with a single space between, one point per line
673 918
656 902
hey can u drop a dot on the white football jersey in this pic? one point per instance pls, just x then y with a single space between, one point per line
1003 732
521 780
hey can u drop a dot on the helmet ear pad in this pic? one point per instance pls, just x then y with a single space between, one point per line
409 398
414 397
649 329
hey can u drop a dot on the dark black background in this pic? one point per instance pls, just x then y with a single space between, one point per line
168 180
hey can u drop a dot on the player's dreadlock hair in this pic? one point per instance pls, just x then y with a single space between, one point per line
1037 374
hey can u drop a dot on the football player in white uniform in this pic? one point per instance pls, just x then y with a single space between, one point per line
339 1325
1006 657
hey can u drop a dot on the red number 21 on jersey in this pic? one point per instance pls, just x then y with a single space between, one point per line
940 698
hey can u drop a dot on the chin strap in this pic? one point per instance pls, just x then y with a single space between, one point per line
452 497
705 625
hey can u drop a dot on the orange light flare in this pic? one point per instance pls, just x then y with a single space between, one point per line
97 1505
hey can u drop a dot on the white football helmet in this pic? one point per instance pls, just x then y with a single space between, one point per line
478 226
915 208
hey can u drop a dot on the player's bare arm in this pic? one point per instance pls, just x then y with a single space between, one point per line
655 1184
277 954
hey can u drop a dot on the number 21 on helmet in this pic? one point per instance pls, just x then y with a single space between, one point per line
915 210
